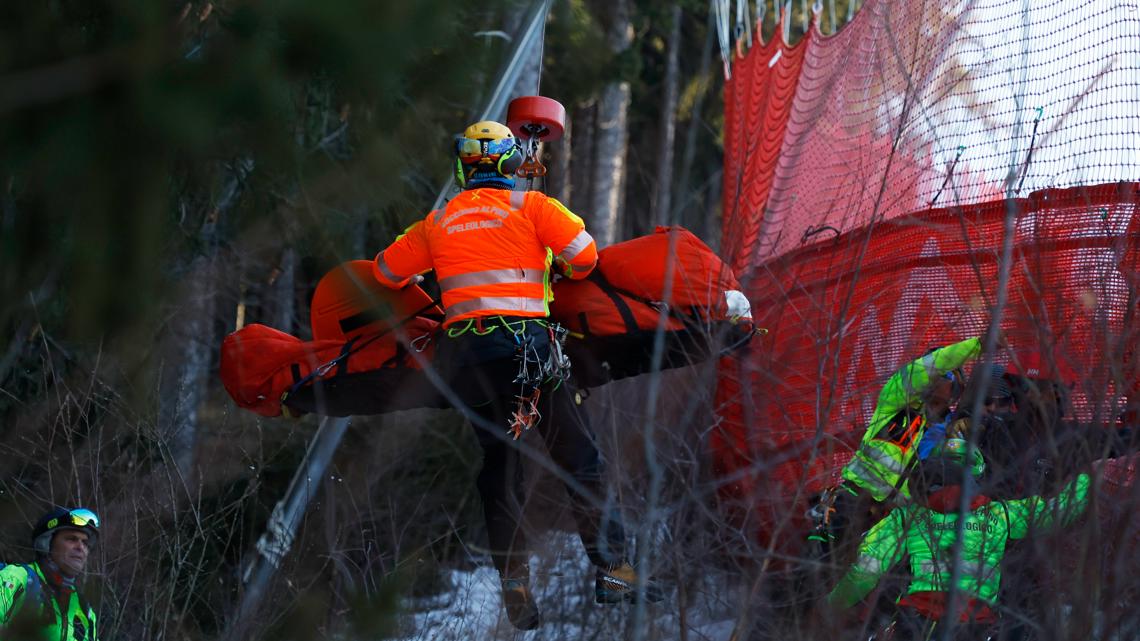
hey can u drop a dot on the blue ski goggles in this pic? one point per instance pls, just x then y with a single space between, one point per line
79 517
472 150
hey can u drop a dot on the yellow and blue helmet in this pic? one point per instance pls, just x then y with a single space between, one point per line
486 155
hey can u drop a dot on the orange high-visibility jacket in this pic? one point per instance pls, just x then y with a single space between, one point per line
491 250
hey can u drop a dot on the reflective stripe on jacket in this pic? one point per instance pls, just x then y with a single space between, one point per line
879 463
491 250
926 538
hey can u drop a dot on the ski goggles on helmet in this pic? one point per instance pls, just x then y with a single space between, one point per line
472 150
79 517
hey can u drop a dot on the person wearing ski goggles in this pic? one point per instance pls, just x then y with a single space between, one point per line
43 596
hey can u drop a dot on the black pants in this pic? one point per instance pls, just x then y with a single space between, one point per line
481 370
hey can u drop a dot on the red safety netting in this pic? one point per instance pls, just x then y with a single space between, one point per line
865 176
756 105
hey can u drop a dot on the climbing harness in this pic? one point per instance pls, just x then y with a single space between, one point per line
534 369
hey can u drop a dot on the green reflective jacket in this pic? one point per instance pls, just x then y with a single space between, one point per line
22 620
882 457
927 538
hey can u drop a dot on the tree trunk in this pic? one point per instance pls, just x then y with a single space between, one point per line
663 201
191 341
582 164
696 221
527 83
612 136
711 225
558 177
284 291
193 334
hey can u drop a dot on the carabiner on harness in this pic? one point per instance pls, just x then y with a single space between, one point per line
534 371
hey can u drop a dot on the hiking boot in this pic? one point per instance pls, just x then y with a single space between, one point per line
620 583
519 603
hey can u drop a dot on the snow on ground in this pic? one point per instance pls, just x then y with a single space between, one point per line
563 580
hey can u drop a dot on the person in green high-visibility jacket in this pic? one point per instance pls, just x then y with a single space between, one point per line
40 601
919 392
926 533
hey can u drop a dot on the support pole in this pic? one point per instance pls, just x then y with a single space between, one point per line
278 537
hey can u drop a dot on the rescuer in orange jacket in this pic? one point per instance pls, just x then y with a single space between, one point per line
492 249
